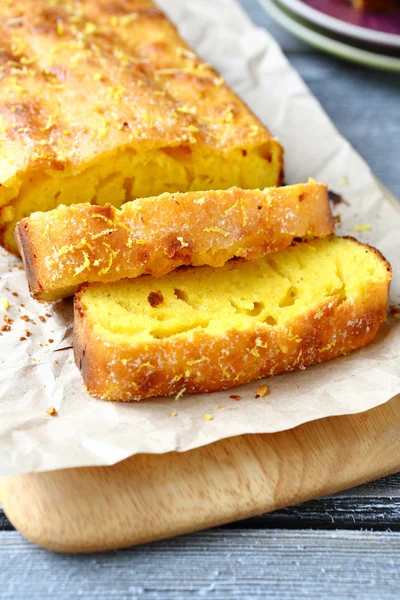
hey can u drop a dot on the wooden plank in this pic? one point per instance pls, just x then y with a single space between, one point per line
376 514
387 487
148 497
284 565
5 524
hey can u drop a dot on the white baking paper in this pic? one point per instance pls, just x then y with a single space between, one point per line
39 372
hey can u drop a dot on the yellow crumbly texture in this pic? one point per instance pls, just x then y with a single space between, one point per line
104 102
240 295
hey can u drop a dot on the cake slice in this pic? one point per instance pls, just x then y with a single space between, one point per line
83 243
364 6
103 101
204 329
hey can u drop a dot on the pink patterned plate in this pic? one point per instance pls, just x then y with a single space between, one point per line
338 16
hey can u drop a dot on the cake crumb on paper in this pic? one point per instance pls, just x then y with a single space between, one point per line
4 303
208 417
174 413
51 411
394 312
263 390
365 227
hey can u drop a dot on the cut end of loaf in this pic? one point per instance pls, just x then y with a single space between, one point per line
212 329
81 243
130 174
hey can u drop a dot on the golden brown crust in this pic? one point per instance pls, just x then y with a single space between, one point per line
374 250
63 248
80 81
336 327
71 48
27 250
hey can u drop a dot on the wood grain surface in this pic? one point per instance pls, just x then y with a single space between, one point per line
374 506
219 565
150 497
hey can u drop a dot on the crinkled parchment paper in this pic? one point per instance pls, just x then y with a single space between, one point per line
40 372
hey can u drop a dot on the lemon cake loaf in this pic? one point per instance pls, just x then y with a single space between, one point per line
104 102
82 243
204 329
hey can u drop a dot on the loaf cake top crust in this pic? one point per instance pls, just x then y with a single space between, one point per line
81 78
84 81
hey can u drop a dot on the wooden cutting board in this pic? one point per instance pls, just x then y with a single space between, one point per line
149 497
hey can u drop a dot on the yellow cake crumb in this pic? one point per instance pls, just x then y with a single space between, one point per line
51 411
60 28
4 303
263 390
216 230
180 393
182 242
365 227
187 110
208 417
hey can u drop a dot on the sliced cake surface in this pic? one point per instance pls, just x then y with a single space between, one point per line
204 329
104 102
83 243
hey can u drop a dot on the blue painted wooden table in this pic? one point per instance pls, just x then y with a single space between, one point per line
345 546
